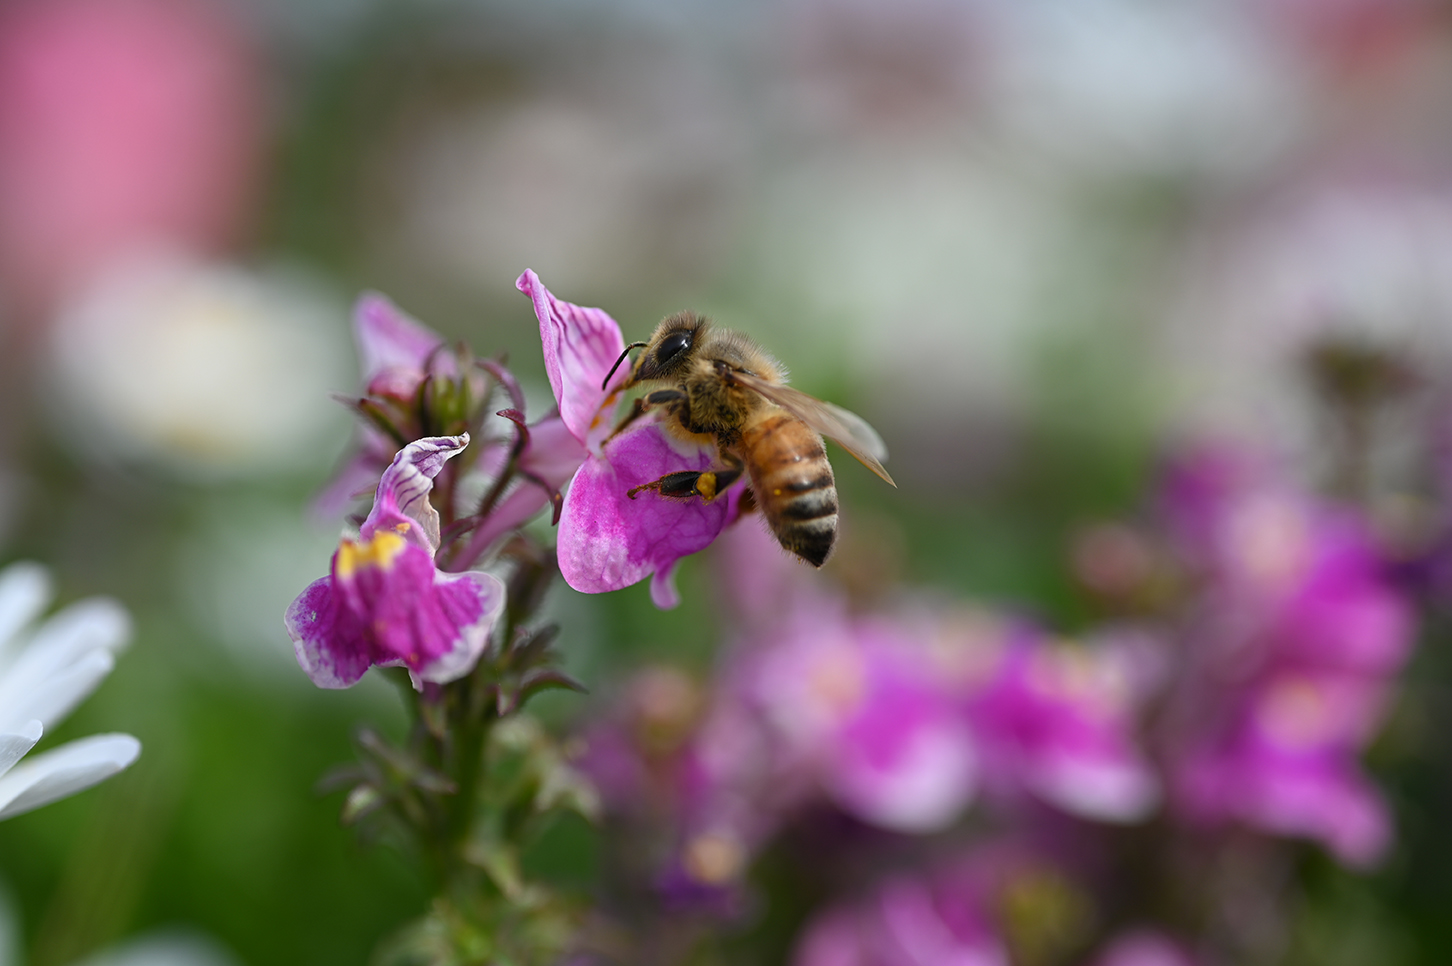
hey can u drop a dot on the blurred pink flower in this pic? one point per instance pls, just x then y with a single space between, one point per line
123 123
1058 721
607 540
869 708
909 921
902 719
1291 661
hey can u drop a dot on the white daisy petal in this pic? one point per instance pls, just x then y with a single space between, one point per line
87 625
14 746
66 659
65 771
36 690
24 591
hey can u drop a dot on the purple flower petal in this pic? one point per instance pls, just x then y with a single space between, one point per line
607 540
315 623
385 602
580 346
390 345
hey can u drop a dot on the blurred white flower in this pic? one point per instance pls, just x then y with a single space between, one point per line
45 671
604 190
168 947
945 275
1128 87
164 949
206 367
1363 260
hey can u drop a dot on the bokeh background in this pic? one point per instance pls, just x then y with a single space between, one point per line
1037 243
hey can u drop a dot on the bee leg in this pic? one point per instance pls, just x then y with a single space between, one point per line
707 484
662 396
636 411
642 404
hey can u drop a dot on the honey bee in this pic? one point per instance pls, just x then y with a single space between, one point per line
721 384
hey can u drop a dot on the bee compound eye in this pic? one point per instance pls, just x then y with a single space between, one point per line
672 346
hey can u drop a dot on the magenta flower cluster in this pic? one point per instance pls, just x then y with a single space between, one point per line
1296 643
1248 707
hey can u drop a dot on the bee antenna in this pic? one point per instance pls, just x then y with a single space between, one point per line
633 345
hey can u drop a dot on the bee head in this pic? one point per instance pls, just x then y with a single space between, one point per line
670 349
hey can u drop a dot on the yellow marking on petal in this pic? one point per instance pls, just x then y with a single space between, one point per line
380 551
403 526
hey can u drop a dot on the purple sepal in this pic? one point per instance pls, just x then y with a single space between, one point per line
385 602
608 541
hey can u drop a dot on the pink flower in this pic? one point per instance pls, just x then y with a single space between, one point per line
122 123
867 707
908 921
1058 722
607 540
1291 662
385 602
393 350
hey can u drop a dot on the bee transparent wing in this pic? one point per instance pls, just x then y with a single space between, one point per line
850 430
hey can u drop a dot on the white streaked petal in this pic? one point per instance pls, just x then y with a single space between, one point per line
24 592
64 771
14 746
36 690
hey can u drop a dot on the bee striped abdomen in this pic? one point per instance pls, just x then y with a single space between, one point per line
793 484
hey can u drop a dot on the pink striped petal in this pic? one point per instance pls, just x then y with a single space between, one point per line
580 346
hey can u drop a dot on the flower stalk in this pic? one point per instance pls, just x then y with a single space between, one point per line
475 780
